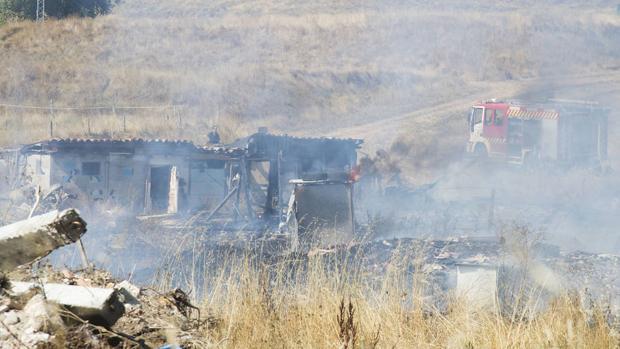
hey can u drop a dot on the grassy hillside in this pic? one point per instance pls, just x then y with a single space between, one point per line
289 65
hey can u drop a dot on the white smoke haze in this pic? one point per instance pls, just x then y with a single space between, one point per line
295 66
400 74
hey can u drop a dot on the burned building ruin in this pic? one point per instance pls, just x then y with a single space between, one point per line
273 161
255 179
147 176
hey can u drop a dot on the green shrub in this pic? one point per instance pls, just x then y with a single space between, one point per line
6 13
27 9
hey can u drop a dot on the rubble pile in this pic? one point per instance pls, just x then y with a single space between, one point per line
29 320
544 266
41 307
442 252
149 318
597 275
591 270
435 260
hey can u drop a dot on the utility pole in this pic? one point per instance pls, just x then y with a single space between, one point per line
51 119
40 10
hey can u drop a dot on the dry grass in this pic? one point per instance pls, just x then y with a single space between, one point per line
325 302
288 65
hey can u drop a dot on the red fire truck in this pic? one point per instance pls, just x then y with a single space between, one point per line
571 133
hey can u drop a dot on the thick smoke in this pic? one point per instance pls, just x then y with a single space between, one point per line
400 74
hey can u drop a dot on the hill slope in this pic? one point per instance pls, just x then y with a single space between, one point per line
296 67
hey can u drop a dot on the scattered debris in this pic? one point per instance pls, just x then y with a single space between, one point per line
148 317
35 323
5 283
182 303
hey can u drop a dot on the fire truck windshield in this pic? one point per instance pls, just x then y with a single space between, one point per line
475 117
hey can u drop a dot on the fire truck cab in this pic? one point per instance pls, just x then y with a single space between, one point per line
570 133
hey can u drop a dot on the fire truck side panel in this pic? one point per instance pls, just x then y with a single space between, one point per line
549 140
602 139
583 137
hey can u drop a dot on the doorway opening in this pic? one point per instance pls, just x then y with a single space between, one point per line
160 188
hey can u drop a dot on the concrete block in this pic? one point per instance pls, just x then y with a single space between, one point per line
477 284
100 306
25 241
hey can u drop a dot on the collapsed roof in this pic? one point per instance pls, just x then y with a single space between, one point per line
257 146
130 145
265 146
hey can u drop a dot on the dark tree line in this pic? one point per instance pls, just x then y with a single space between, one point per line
27 9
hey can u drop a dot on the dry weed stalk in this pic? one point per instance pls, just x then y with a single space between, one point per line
346 324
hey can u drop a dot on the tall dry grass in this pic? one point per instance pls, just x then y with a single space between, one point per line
328 300
166 121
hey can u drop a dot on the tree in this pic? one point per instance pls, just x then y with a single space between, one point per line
6 13
26 9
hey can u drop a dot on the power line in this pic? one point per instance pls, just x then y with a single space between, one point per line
40 10
21 106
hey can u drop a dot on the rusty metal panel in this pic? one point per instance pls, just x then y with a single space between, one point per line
325 212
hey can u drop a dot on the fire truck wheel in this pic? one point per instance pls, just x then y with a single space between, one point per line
480 151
